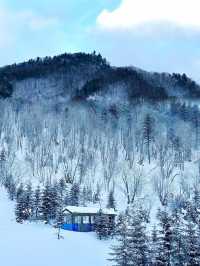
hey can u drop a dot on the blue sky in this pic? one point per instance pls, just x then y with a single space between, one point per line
152 34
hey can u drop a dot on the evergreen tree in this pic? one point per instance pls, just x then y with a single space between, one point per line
28 198
20 209
192 244
83 197
178 240
196 197
59 217
120 252
138 241
55 200
154 246
164 239
22 212
3 166
19 191
67 196
196 122
37 202
46 203
111 200
96 197
61 188
59 220
89 194
75 194
148 133
101 226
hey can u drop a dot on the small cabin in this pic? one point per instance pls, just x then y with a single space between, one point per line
82 219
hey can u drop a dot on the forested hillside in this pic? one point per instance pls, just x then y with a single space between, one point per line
76 131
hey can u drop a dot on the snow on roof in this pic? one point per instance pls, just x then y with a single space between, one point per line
89 210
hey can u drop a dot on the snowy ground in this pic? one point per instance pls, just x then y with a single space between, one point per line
36 244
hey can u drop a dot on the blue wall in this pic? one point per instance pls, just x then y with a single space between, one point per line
78 227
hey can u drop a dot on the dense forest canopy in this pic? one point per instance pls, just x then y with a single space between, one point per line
100 76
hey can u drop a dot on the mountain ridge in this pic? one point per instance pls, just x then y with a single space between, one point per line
80 76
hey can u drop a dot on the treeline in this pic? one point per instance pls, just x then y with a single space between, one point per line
41 66
98 77
130 80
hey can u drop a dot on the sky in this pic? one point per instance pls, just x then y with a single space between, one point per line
156 35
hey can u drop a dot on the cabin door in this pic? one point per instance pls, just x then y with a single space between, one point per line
75 227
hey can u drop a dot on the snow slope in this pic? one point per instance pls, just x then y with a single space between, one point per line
36 244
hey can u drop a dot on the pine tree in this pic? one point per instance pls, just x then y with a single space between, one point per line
178 240
138 241
101 226
89 194
148 133
37 202
19 191
59 219
83 196
196 197
164 239
55 199
59 209
61 188
196 122
154 246
96 197
75 194
46 203
67 196
22 212
120 252
111 200
196 205
192 244
121 220
28 197
2 166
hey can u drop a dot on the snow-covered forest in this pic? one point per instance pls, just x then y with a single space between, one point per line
108 148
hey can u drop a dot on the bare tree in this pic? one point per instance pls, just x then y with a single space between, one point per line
132 183
165 178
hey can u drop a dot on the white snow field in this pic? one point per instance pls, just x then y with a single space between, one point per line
35 244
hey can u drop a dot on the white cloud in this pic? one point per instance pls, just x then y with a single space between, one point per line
132 13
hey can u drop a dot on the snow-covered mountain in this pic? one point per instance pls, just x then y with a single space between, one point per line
76 131
60 79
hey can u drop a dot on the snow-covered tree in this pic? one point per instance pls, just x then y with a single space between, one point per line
120 255
138 241
164 239
37 202
111 200
75 194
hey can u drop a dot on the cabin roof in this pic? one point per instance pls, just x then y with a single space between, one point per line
88 210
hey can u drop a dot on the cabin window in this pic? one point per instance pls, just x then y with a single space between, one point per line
68 219
92 219
77 219
86 219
